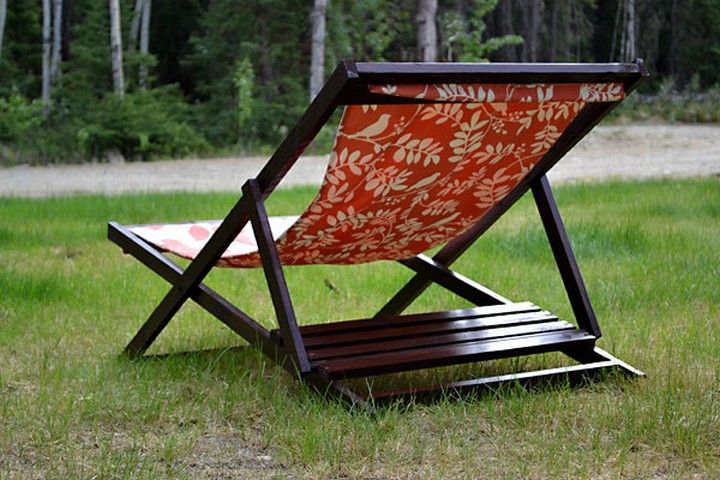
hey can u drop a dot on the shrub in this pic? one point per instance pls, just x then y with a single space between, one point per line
20 120
689 106
143 125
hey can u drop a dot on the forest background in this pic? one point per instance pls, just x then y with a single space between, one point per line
141 79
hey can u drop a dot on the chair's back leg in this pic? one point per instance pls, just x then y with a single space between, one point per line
564 257
453 281
277 285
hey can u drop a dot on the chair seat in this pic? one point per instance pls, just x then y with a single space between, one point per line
187 239
377 346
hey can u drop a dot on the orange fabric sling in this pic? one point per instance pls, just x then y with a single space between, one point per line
404 178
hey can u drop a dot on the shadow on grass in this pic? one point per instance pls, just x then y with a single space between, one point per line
245 363
229 363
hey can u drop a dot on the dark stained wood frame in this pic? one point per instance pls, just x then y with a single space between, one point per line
325 355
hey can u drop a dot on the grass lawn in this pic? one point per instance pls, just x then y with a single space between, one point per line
72 407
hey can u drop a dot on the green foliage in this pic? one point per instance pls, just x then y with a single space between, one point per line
86 75
19 120
370 30
268 34
699 32
132 62
21 53
242 67
689 106
142 125
18 116
463 37
244 80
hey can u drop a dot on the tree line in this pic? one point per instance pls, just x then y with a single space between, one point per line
149 78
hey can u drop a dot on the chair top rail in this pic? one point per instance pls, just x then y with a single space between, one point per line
365 73
523 72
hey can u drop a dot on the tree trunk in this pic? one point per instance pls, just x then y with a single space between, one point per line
145 42
629 46
577 30
567 34
618 14
554 30
427 30
317 54
509 52
67 26
674 40
116 48
3 14
47 13
535 25
135 25
57 42
267 74
531 27
627 40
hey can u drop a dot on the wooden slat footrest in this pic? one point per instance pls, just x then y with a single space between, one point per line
363 348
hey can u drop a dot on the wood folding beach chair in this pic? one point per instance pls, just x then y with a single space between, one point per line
425 155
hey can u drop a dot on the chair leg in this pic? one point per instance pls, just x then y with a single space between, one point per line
427 268
236 219
208 299
157 321
275 278
564 257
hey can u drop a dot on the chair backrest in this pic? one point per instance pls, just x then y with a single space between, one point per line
406 177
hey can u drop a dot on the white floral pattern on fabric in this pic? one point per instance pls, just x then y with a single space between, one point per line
405 178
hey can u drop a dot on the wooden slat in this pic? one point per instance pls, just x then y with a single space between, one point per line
407 331
388 322
511 72
437 340
367 365
356 91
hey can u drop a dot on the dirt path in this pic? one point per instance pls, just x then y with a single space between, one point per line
629 151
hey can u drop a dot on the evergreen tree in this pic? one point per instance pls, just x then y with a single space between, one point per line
237 72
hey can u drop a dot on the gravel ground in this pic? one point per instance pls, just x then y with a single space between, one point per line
626 151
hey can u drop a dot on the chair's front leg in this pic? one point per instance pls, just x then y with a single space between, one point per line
564 257
231 226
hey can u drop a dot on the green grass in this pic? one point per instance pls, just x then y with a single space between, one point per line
71 407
